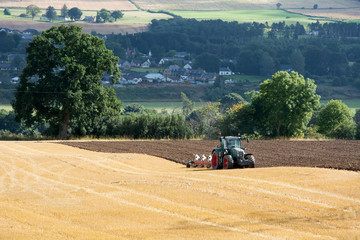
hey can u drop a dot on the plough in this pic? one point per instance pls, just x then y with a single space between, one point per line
230 154
200 161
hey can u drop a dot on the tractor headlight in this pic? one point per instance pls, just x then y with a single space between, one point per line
240 153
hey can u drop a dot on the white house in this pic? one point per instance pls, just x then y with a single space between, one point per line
225 71
146 64
187 66
155 76
15 80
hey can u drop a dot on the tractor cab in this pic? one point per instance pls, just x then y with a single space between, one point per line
230 142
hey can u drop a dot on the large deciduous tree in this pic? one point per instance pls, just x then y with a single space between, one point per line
75 13
61 84
51 13
335 117
32 10
103 16
285 104
117 14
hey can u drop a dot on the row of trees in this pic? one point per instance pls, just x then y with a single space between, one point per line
74 13
104 15
60 89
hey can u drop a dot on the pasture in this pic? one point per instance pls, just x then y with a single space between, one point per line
241 4
52 191
6 107
170 107
242 16
130 17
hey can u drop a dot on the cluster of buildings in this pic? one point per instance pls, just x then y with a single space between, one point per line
135 71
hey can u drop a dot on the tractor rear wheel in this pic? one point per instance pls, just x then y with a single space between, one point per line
228 162
215 163
252 159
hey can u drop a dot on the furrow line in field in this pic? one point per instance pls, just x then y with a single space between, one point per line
154 197
50 219
286 185
150 208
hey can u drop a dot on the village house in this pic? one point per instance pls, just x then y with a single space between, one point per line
146 64
187 66
225 71
90 19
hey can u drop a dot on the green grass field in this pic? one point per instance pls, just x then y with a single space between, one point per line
241 16
170 107
353 104
247 78
6 107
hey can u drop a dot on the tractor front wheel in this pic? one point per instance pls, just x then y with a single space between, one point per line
228 162
252 159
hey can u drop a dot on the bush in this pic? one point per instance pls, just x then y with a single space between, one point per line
357 134
7 11
346 130
333 118
150 126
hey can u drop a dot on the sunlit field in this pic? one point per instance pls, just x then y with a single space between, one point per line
52 191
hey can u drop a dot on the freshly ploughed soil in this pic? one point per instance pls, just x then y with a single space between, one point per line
338 154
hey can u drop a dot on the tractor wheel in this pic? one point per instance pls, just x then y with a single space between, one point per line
188 165
215 161
228 162
252 159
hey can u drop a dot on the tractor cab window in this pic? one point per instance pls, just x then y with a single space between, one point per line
233 143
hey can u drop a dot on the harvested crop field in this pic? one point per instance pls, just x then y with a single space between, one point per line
54 191
82 4
339 154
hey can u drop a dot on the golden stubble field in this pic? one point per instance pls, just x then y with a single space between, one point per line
53 191
82 4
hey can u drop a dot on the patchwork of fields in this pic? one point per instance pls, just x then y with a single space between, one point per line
53 191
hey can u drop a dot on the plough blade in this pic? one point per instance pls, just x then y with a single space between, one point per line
200 161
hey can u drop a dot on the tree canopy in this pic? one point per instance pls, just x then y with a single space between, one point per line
61 84
103 16
117 14
64 11
285 103
32 10
333 116
7 11
75 13
51 13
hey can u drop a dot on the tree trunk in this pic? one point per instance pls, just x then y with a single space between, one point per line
278 128
64 126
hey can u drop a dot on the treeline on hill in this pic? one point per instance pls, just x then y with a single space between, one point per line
286 106
328 52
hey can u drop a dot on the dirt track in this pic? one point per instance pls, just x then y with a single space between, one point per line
53 191
328 154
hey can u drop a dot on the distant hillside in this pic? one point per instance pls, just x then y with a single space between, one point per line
82 4
243 4
185 4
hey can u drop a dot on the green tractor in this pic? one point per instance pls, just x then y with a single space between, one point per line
231 154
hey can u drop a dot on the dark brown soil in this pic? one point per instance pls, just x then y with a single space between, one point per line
339 154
